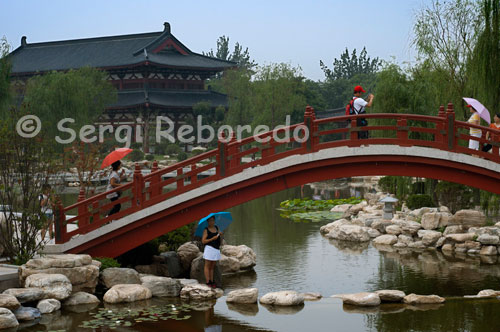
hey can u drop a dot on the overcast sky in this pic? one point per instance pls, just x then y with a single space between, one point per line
298 32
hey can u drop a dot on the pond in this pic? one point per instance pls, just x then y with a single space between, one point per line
294 256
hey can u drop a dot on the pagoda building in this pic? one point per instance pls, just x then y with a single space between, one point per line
154 73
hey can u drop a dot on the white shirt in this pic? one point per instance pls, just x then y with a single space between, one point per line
46 208
359 105
114 175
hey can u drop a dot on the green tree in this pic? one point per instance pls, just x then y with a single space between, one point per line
5 92
279 91
484 71
350 65
240 56
445 34
81 94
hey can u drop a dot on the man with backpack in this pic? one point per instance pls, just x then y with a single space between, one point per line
357 106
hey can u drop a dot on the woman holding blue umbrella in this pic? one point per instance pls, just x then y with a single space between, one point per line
211 239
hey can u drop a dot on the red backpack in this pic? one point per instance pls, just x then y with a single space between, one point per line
349 109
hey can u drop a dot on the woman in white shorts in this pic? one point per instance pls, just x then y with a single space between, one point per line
211 239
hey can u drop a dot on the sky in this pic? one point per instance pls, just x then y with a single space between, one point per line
300 33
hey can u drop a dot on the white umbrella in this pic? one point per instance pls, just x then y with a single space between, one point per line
483 111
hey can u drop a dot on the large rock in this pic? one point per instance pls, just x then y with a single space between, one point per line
283 298
381 225
455 229
187 253
344 209
361 299
351 233
26 314
488 251
82 277
61 261
162 286
173 262
325 229
243 296
24 295
244 254
410 227
48 306
461 237
390 295
429 238
405 239
81 298
197 271
54 286
488 293
127 293
7 319
386 240
197 292
430 220
488 239
355 209
422 299
228 265
309 296
393 230
469 218
9 302
119 276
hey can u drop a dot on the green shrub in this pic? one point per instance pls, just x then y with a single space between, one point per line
455 196
136 155
419 201
182 156
107 262
178 237
150 157
173 149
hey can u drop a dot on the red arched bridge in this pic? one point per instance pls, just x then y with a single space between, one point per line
398 144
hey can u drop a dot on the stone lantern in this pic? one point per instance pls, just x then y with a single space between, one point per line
388 207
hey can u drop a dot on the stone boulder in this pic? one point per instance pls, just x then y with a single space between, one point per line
197 271
81 270
311 296
244 254
7 319
469 218
405 239
461 237
351 233
54 286
119 276
455 229
26 314
422 299
81 298
9 302
381 225
198 292
283 298
187 253
24 295
386 240
363 299
489 251
430 220
228 265
48 306
243 296
410 227
429 237
173 262
488 239
325 229
162 286
373 233
488 293
127 293
342 208
390 295
393 230
355 209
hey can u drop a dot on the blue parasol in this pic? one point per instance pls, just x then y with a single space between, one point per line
222 220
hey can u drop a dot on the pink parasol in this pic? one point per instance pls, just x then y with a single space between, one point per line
479 108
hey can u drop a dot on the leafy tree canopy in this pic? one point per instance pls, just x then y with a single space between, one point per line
350 65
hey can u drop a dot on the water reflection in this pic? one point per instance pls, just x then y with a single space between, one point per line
244 309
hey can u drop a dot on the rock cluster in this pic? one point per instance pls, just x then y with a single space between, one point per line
371 299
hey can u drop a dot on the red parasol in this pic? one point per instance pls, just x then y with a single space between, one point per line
115 156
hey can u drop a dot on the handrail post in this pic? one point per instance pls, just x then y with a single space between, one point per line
402 132
233 149
495 138
82 210
221 156
180 178
439 137
309 118
194 177
60 224
138 188
450 127
352 131
154 187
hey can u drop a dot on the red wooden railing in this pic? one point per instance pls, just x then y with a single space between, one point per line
441 132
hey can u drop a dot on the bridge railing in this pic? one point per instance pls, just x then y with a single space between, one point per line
233 156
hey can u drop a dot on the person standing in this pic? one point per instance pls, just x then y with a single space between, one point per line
212 240
494 125
359 105
46 209
475 132
114 182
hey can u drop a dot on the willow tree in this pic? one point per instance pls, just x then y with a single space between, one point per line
484 68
